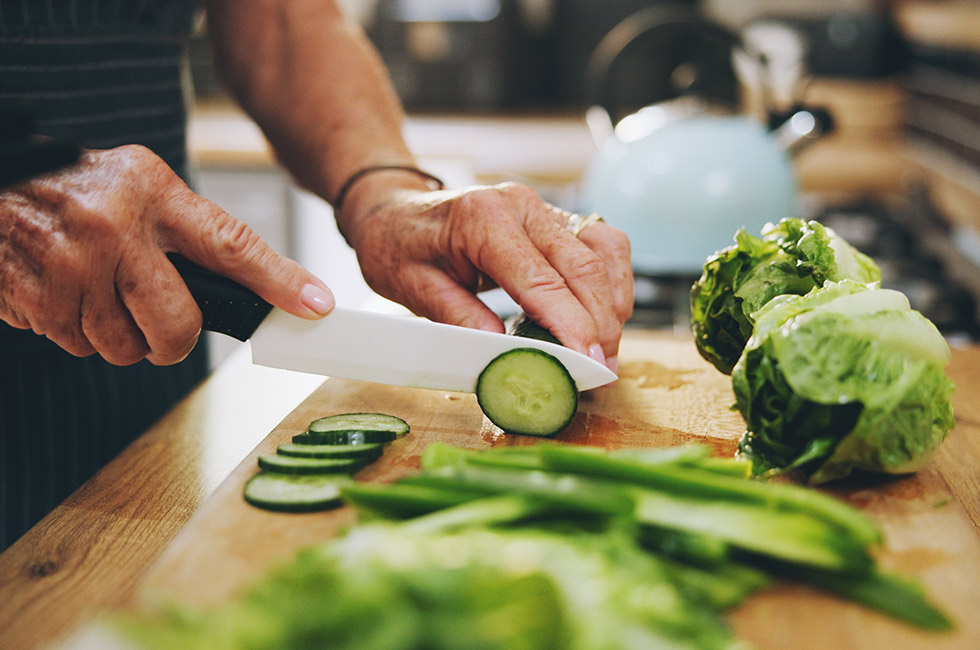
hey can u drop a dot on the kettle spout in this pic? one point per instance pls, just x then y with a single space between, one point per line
800 126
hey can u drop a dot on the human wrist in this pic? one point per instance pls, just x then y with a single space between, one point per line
373 186
385 168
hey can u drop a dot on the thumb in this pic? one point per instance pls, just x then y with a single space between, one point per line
225 245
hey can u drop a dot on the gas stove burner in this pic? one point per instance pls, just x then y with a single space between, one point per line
915 254
662 301
871 230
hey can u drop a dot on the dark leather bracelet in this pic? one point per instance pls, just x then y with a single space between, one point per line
338 203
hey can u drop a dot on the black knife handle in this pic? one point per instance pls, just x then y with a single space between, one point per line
227 307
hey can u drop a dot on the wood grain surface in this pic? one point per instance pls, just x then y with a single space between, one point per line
666 395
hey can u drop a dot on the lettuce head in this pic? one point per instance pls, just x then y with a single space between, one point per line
792 257
845 377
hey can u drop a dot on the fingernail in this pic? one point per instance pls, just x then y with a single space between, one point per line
595 352
613 364
317 299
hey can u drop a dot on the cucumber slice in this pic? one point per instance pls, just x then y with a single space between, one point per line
354 429
367 450
295 465
286 493
527 391
344 438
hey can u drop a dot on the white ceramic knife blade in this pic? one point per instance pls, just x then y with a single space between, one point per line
403 351
354 344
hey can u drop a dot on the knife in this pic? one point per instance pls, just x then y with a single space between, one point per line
357 344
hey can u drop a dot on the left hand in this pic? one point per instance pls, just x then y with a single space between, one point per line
433 251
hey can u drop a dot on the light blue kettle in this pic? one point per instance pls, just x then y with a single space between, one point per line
680 177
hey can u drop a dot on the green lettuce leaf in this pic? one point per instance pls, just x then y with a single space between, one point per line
792 257
846 377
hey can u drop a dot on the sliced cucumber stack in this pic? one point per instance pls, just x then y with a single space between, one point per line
306 475
527 391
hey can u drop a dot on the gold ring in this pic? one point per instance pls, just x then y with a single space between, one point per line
577 223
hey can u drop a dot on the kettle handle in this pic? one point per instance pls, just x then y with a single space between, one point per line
633 27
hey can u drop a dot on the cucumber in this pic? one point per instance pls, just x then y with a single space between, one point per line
527 328
527 391
295 465
369 451
353 429
290 493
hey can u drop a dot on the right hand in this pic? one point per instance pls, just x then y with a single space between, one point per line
83 259
429 250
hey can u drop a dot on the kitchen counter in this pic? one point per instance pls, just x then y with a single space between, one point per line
166 516
552 149
546 148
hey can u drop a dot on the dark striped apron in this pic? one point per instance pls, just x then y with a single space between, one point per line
101 73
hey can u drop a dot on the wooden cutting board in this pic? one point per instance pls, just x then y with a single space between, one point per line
666 396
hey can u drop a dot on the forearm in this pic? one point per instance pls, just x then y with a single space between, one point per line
318 89
315 85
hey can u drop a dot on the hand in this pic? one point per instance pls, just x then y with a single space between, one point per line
83 259
432 251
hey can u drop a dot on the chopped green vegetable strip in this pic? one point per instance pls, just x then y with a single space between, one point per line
694 482
519 458
790 536
439 455
575 493
727 466
692 548
723 586
402 500
892 595
479 512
